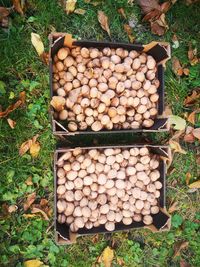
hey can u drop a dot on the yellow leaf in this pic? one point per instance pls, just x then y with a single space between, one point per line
103 20
37 210
25 147
33 263
37 43
11 123
188 177
195 184
178 122
34 149
29 215
70 6
176 147
79 11
107 257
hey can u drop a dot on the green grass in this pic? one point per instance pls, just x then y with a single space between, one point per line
21 70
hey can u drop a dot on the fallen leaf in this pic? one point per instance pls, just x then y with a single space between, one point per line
29 201
27 216
37 43
173 207
159 26
192 116
120 262
191 99
189 138
198 160
103 20
25 147
180 246
177 122
12 107
58 103
188 177
45 58
168 111
177 135
70 6
195 184
43 202
106 257
128 30
94 3
149 5
183 263
176 147
37 210
177 67
11 123
34 149
79 11
121 12
186 71
18 7
12 208
192 55
29 181
175 41
33 263
4 13
196 133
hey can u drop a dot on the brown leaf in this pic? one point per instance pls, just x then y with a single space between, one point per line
195 184
27 145
37 210
29 201
58 103
159 26
18 7
11 123
70 6
192 55
183 263
192 116
121 12
29 181
166 6
45 58
167 111
44 202
12 107
79 11
189 138
4 12
12 208
103 20
196 133
35 149
176 66
149 5
191 99
188 177
186 71
198 160
176 147
173 207
178 247
128 30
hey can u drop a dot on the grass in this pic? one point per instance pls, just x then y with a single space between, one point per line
21 70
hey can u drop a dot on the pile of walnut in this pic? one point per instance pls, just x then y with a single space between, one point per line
107 186
108 89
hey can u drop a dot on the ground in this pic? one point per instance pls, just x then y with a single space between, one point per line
23 237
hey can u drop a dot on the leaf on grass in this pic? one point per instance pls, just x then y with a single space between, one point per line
173 207
43 202
11 123
28 144
18 7
29 181
192 55
175 42
176 147
159 26
192 116
183 263
27 216
58 103
70 6
12 107
37 43
178 247
79 11
29 201
106 257
33 263
188 177
121 12
37 210
35 149
191 99
195 184
189 138
177 122
196 133
4 20
128 30
149 5
12 208
103 20
178 69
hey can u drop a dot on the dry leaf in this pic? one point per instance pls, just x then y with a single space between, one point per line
12 107
27 216
177 122
178 69
178 247
29 201
173 207
70 6
189 138
18 7
183 263
159 26
45 58
192 55
191 99
43 202
106 257
121 12
11 123
12 208
167 112
175 42
195 184
29 181
4 20
79 11
37 210
103 20
188 177
128 30
33 263
34 149
149 5
196 133
58 103
25 147
37 43
176 147
192 116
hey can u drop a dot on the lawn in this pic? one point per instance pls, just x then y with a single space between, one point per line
25 236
